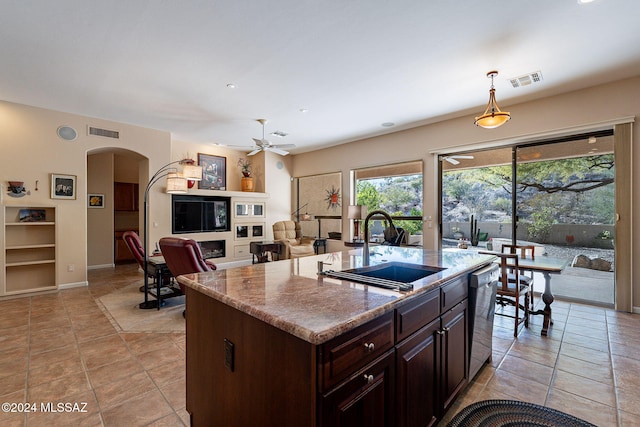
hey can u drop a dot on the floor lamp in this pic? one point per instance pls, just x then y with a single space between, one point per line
176 184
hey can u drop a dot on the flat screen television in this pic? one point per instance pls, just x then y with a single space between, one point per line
199 214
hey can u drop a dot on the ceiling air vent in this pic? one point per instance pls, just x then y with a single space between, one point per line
527 79
104 132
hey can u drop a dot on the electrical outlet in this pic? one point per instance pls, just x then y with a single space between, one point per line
228 354
71 267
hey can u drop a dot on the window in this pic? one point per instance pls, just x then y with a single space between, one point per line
397 190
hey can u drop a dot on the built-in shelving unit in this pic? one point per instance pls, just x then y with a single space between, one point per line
29 249
249 225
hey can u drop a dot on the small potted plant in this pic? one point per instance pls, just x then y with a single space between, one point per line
247 180
245 166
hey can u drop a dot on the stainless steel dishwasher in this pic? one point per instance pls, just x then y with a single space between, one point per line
482 301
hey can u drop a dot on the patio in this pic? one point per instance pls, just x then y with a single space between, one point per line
574 284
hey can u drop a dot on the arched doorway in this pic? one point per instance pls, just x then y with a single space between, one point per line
114 174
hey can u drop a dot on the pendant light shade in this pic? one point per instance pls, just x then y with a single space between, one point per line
492 117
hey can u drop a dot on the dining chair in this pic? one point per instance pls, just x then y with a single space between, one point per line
525 252
510 292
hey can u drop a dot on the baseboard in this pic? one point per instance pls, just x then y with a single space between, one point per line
96 267
73 285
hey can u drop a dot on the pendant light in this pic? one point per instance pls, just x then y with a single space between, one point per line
492 117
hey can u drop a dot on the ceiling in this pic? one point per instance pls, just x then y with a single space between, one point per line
353 64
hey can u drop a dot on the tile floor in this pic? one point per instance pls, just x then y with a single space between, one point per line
61 347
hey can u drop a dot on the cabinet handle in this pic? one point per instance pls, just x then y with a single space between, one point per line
446 329
369 347
440 332
368 378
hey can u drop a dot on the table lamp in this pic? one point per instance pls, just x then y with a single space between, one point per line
357 213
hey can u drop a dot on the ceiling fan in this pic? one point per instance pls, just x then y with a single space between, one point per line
453 159
266 145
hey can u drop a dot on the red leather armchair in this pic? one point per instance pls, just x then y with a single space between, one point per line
183 256
134 244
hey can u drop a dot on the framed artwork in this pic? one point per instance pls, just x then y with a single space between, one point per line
32 215
63 186
214 172
95 200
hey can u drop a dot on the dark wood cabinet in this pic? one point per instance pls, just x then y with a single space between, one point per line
418 377
125 196
455 353
431 364
365 399
403 368
122 254
347 353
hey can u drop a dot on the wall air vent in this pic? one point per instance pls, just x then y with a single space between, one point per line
104 132
527 79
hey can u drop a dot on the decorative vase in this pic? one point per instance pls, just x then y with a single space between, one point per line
247 183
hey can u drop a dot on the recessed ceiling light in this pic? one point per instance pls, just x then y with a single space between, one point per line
304 110
387 124
585 1
231 85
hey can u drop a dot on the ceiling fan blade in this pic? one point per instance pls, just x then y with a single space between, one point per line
246 147
260 142
462 157
277 150
452 160
283 145
256 151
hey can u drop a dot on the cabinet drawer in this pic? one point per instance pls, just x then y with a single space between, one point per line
453 292
366 398
241 251
349 352
412 316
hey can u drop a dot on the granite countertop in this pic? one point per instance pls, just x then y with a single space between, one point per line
291 296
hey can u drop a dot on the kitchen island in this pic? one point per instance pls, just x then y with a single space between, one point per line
278 344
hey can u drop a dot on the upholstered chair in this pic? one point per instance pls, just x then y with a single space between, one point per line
183 256
289 234
134 244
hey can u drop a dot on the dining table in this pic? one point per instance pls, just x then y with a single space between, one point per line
547 266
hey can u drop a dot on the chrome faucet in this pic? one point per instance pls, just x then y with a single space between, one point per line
365 246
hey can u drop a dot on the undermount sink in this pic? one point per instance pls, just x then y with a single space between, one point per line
390 275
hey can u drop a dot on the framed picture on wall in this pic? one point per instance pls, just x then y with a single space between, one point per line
214 172
63 186
95 200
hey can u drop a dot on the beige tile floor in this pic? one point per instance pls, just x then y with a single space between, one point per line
61 347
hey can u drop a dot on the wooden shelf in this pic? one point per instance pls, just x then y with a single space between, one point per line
30 224
19 264
29 249
44 245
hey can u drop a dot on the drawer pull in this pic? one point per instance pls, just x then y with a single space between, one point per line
368 378
446 329
369 347
440 332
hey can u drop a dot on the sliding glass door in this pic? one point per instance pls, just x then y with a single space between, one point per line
557 195
565 203
476 198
